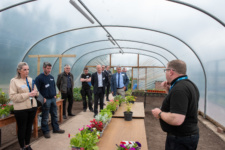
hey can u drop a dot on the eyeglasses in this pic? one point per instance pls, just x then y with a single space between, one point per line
168 69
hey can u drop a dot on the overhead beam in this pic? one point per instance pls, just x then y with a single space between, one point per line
42 56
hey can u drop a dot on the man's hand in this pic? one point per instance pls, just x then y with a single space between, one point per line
165 85
156 112
44 100
112 93
124 88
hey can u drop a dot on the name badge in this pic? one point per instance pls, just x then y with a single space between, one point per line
103 78
51 79
123 74
23 86
87 76
47 85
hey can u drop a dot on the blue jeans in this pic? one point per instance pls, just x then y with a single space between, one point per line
182 143
49 107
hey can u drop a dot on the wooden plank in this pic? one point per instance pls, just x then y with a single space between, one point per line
137 109
59 103
60 64
7 120
119 130
41 56
35 123
38 65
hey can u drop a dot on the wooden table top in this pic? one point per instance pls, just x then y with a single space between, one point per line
120 130
137 109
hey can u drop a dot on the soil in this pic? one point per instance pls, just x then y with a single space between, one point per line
155 136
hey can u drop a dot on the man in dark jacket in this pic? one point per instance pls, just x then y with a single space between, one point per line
179 112
46 86
99 81
65 85
119 83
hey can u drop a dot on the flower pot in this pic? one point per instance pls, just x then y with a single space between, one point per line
128 115
77 148
131 102
113 112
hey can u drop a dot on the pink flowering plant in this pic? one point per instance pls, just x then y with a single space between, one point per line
129 145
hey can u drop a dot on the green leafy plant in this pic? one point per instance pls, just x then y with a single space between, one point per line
76 94
4 110
119 98
111 105
3 98
129 92
86 138
130 99
106 111
128 107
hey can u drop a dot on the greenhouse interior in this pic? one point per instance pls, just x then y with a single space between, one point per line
140 37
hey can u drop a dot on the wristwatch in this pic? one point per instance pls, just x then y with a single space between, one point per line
160 114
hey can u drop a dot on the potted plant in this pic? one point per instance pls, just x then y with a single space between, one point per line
3 98
130 99
111 106
4 111
107 112
119 98
129 145
86 139
128 113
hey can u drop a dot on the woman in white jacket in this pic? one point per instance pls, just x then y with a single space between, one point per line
22 92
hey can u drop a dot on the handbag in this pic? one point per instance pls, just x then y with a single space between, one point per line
40 100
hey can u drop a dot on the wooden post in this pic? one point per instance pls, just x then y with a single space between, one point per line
47 56
38 66
145 78
132 82
138 71
110 55
60 64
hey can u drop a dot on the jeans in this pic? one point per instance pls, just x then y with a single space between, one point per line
24 119
182 143
49 107
86 93
69 96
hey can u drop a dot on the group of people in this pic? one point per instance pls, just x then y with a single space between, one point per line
102 81
177 115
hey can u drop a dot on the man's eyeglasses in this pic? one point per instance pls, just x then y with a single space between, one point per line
168 69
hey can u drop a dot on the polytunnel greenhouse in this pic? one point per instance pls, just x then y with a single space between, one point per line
142 36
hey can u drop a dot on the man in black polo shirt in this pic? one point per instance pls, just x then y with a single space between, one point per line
179 112
86 90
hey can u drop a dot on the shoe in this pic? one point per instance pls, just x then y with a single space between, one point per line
47 135
103 103
92 110
107 99
59 131
95 115
84 110
29 148
64 117
71 115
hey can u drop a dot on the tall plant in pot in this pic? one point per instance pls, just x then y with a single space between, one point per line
128 113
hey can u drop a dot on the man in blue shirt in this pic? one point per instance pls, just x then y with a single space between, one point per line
46 86
119 83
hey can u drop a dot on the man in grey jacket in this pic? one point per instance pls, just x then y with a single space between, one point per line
65 85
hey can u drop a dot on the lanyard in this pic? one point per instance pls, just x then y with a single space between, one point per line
181 78
28 85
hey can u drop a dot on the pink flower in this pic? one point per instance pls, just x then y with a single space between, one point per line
3 108
68 135
111 100
88 126
81 129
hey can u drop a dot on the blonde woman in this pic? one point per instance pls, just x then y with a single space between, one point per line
22 92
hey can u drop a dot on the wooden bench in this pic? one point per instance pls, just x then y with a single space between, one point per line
12 119
119 130
137 109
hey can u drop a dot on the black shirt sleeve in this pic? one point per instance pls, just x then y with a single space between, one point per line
179 103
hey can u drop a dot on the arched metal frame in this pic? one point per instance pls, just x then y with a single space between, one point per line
6 8
113 48
186 4
147 29
199 9
127 53
117 40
